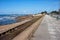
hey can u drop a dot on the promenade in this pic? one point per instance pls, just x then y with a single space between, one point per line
49 29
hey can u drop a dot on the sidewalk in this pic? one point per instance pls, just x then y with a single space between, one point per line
48 30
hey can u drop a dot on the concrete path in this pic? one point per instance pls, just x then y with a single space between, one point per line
49 29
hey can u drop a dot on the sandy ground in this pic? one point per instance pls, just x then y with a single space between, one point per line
10 26
49 29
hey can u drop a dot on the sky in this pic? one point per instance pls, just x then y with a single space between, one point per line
28 6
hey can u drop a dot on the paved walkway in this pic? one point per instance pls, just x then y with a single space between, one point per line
49 29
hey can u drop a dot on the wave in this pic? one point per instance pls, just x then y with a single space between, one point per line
7 20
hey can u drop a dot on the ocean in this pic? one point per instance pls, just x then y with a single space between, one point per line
9 18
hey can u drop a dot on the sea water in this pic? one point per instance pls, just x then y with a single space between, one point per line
8 19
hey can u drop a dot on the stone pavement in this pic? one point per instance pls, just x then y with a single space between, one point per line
49 29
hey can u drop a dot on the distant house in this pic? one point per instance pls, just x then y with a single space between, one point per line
55 13
59 11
